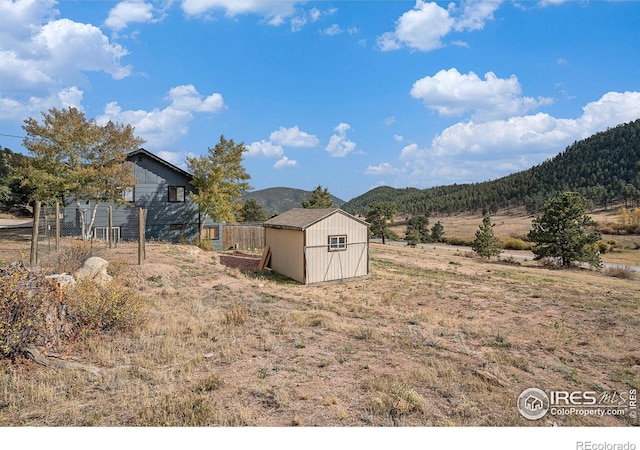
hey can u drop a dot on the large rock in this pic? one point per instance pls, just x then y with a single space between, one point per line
95 269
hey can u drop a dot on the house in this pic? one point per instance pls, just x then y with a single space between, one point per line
162 191
314 245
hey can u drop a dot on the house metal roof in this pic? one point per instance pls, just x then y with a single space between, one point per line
142 151
303 218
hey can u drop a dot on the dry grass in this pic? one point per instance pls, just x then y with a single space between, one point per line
430 338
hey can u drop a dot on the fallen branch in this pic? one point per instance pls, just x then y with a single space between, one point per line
54 363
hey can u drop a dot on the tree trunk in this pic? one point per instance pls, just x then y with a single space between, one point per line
87 232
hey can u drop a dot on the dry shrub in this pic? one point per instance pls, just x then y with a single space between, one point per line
188 410
393 399
462 241
236 315
205 244
71 258
515 244
28 306
105 307
625 273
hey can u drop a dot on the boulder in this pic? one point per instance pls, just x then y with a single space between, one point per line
95 269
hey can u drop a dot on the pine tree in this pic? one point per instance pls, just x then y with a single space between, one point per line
252 211
319 199
485 243
437 232
379 216
564 231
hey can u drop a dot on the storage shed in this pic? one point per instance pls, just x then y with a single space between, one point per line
314 245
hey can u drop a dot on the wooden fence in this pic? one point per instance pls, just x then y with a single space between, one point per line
243 237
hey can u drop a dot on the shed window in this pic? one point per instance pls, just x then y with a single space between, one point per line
211 232
337 243
176 227
176 193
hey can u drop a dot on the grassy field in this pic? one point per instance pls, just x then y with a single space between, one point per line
429 338
516 224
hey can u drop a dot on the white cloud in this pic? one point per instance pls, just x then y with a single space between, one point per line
285 163
274 11
425 26
471 151
129 11
476 13
313 15
12 109
175 158
398 137
265 149
187 98
412 152
339 146
384 169
41 55
333 30
293 137
162 127
451 93
421 28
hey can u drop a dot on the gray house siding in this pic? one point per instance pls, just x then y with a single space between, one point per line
169 216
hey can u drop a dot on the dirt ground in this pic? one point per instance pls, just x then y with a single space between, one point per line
429 338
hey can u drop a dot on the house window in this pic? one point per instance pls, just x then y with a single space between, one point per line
211 233
128 195
337 243
176 227
176 193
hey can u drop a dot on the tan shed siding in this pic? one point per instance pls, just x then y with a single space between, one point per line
287 255
325 265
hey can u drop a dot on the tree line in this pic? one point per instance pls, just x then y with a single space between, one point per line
604 168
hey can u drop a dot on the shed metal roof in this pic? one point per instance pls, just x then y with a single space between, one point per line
302 218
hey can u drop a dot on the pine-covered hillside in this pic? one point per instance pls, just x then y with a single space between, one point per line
605 168
277 200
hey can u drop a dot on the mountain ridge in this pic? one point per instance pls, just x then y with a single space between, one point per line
276 200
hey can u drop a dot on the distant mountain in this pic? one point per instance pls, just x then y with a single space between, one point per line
605 168
277 200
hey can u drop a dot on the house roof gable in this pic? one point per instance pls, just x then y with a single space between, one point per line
303 218
142 151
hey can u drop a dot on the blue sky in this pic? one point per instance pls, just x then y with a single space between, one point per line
349 95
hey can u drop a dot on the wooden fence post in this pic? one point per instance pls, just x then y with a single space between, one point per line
140 236
33 256
57 228
110 230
